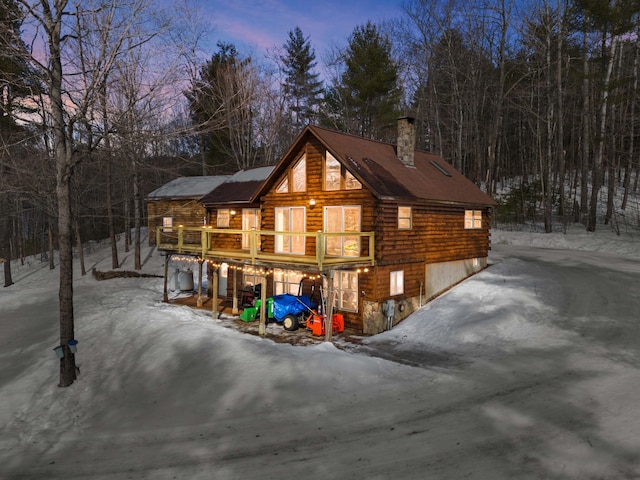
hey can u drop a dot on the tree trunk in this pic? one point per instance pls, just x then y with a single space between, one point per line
5 250
115 263
83 270
52 263
586 119
632 122
597 159
136 216
62 151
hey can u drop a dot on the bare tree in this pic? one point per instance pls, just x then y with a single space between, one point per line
80 43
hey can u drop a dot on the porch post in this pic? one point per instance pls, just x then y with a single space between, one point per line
262 328
199 300
214 294
165 295
235 292
328 321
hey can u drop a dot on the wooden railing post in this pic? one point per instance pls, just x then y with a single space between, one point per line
253 245
320 249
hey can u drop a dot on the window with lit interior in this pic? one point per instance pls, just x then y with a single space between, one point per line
397 282
250 221
342 220
286 281
223 218
404 218
290 219
345 284
472 219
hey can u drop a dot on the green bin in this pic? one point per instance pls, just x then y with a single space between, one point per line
269 306
249 314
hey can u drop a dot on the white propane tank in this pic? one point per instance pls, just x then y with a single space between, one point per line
185 280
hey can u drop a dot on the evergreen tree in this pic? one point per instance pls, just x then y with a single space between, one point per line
367 94
302 86
222 109
14 84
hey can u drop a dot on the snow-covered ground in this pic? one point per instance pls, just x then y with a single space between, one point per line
528 370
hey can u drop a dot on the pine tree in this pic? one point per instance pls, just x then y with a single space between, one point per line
367 94
302 86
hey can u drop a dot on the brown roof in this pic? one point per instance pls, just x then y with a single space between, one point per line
239 188
376 165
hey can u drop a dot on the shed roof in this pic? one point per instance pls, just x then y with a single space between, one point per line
239 188
376 165
187 187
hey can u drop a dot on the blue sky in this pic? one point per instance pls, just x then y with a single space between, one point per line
256 25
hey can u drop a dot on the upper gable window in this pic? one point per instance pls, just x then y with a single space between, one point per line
284 186
331 173
295 180
336 177
351 182
299 176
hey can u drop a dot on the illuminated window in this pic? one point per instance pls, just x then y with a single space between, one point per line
336 177
250 221
286 281
284 186
404 218
341 220
351 182
290 219
397 282
331 173
224 215
473 219
167 224
345 284
299 176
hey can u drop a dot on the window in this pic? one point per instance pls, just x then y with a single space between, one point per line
252 279
167 224
345 284
295 180
331 173
351 182
473 219
223 218
336 177
404 218
284 186
286 281
340 220
290 219
397 282
299 176
250 221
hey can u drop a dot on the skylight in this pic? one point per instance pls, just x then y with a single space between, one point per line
440 168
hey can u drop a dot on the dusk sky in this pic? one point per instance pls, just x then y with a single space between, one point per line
256 25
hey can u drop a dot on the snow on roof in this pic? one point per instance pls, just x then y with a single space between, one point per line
251 175
188 187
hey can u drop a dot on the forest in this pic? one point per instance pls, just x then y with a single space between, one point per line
103 101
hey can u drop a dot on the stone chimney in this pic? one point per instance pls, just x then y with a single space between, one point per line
406 140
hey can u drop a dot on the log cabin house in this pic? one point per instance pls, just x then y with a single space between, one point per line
379 228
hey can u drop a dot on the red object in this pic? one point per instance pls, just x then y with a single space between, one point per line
337 324
315 323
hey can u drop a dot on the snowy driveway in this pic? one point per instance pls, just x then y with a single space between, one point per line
529 370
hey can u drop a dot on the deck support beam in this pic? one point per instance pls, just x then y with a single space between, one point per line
214 293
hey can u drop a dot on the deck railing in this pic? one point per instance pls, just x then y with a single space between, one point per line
214 242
